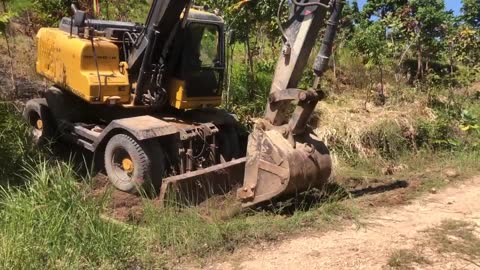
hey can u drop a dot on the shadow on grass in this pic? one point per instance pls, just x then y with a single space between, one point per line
332 193
399 184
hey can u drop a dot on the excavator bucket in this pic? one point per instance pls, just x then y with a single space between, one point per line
276 167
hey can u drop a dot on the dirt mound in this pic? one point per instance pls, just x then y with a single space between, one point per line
121 206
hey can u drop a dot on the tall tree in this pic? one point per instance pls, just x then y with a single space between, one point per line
380 8
430 27
471 12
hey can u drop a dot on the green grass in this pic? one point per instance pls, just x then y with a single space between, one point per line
186 231
15 144
53 223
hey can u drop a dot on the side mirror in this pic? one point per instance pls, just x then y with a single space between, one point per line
79 17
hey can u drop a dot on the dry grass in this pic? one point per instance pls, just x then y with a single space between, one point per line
347 122
406 259
459 238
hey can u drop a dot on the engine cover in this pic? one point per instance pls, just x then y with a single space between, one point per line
69 62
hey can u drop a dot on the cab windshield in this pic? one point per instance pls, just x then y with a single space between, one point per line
203 60
204 45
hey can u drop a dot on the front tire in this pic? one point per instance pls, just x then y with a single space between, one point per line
40 119
229 144
134 166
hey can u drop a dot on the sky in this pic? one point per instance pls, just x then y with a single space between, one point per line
454 5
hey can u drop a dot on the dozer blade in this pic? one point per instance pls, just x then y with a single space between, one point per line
278 166
195 187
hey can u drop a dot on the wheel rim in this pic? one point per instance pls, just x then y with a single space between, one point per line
127 165
37 125
123 165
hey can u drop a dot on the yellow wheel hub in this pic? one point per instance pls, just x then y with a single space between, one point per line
39 124
127 165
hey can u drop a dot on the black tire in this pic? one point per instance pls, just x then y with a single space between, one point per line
229 144
38 116
66 106
134 166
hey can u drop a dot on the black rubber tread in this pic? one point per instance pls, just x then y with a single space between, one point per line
147 164
40 107
229 143
68 107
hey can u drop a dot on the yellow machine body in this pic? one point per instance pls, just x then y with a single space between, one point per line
178 97
68 61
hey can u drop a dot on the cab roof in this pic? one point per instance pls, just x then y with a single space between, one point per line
201 15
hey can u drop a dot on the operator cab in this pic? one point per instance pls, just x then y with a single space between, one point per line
198 61
195 64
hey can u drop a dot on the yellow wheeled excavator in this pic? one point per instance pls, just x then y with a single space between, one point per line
144 99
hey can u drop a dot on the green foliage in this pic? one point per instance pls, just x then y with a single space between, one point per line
431 24
465 42
471 12
470 122
125 10
370 43
387 139
240 103
245 17
381 8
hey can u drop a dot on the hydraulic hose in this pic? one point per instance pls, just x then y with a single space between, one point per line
323 57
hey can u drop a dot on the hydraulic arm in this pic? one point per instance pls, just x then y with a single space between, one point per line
148 57
283 156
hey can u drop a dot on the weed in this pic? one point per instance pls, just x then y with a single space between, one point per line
186 231
405 259
457 237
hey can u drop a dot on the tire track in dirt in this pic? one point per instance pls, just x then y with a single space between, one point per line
369 247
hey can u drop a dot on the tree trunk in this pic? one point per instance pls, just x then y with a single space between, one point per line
334 61
10 54
419 63
451 64
230 51
251 71
382 85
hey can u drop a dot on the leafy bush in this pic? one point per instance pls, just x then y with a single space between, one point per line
387 139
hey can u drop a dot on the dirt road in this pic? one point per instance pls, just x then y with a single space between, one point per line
371 245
